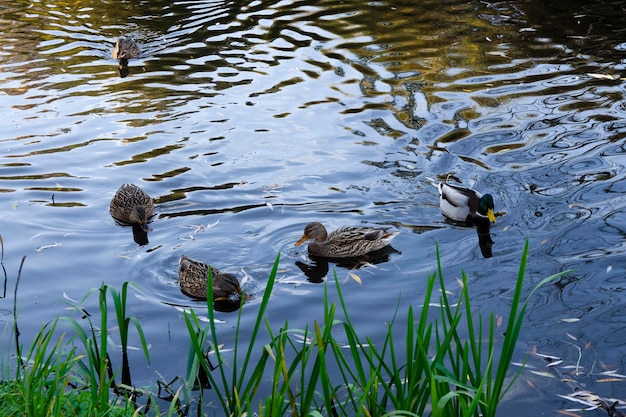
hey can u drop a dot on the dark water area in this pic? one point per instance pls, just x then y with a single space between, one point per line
247 120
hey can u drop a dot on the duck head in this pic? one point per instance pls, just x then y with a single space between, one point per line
315 231
486 207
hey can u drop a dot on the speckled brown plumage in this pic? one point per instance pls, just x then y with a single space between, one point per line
345 242
125 48
132 206
192 277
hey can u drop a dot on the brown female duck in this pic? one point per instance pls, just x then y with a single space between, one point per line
125 48
345 242
192 276
132 206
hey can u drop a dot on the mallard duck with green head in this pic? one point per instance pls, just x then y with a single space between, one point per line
345 242
462 204
132 206
192 277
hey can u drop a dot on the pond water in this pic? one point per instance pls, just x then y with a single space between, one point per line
247 120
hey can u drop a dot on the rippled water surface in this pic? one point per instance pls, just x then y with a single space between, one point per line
246 120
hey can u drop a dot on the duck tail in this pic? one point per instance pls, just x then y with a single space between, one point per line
434 182
391 235
437 184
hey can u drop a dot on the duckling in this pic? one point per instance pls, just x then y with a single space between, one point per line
461 203
192 276
132 206
345 242
125 48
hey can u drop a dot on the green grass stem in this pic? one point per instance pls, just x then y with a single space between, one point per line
450 363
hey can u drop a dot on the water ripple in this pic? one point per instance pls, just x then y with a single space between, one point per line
245 121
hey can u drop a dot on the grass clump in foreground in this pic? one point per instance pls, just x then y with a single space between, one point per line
55 379
435 370
47 384
438 372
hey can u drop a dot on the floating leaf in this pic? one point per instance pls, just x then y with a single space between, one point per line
543 242
555 363
571 411
505 228
67 297
613 374
571 320
609 269
497 53
546 374
609 380
602 76
355 277
302 339
499 322
200 228
129 347
590 396
41 248
350 347
571 336
36 235
520 364
568 413
220 347
586 399
552 358
577 400
439 305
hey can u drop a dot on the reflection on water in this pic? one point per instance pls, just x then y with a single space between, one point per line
316 270
257 118
484 240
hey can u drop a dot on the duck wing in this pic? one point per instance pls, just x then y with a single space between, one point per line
350 241
458 196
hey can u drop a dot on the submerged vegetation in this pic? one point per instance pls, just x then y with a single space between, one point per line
451 364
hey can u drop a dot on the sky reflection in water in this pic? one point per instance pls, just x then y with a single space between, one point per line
247 121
